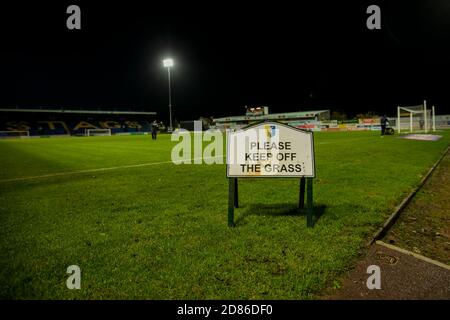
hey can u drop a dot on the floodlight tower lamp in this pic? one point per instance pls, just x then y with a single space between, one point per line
168 63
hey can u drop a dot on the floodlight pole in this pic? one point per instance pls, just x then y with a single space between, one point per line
398 119
168 63
170 102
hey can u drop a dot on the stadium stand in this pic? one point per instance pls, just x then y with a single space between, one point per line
53 122
309 120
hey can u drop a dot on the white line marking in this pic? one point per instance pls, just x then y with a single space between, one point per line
50 175
415 255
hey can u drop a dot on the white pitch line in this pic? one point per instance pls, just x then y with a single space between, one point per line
50 175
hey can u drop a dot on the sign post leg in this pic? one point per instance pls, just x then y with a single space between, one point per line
301 198
309 202
231 200
236 193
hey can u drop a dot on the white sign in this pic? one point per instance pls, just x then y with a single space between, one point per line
270 149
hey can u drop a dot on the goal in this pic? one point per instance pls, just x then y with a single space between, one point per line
98 132
14 134
416 118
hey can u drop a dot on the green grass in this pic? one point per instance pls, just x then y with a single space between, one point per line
160 231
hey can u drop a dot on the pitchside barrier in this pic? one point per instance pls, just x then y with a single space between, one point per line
15 134
270 150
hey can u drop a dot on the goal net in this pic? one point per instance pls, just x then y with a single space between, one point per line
415 119
14 134
98 132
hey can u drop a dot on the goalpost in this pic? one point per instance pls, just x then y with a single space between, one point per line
14 134
98 132
416 118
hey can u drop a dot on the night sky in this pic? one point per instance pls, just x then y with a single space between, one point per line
287 55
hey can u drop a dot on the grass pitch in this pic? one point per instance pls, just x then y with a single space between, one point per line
159 231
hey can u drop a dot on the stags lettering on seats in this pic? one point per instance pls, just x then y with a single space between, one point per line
110 124
69 127
133 124
17 125
51 125
84 125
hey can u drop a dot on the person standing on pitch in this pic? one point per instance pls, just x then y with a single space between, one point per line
383 121
154 129
421 123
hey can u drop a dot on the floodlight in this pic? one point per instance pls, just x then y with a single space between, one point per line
168 63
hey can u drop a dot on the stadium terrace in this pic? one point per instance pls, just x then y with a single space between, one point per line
53 122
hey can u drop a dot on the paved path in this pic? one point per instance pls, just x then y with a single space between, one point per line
402 277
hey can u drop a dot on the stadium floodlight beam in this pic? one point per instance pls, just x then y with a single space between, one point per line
168 63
